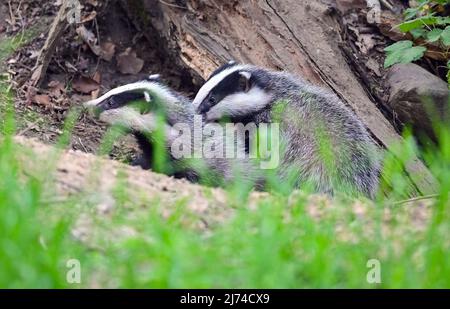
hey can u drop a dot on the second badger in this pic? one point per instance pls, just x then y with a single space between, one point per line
324 142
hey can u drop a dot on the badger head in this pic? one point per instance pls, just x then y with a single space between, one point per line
233 91
131 105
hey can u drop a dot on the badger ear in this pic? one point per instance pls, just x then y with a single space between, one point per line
147 97
154 77
244 80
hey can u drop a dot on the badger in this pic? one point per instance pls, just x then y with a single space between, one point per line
136 107
323 142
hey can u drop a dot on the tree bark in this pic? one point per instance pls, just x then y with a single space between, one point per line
45 55
298 36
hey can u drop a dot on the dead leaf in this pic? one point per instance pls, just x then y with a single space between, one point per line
79 99
56 88
108 50
365 43
92 2
346 5
90 39
83 64
53 84
129 63
91 16
388 26
85 85
374 66
95 94
42 99
433 51
97 77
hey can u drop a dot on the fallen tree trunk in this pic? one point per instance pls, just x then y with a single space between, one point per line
298 36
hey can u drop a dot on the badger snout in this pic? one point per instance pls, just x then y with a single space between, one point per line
206 105
93 108
96 107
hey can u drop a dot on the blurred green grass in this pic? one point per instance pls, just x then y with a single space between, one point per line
283 242
300 241
10 44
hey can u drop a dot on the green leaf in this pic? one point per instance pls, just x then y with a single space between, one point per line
410 13
446 36
413 54
442 21
418 33
417 23
400 45
434 35
403 52
448 73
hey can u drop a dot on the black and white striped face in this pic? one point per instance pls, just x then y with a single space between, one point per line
130 105
233 91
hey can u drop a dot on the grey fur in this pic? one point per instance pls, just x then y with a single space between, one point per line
310 117
177 109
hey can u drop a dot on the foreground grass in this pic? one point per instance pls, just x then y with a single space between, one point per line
297 241
294 242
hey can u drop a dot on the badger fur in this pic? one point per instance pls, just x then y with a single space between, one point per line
134 107
115 108
324 143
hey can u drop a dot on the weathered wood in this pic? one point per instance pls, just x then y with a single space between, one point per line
298 36
45 55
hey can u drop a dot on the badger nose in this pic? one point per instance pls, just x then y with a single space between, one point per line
89 104
203 108
92 108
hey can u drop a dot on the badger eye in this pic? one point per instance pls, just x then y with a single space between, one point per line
212 100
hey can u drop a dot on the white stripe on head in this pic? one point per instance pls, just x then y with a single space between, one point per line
155 88
154 77
240 104
132 120
213 82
